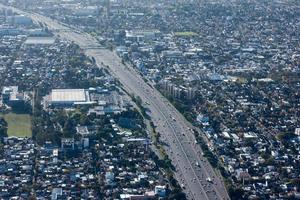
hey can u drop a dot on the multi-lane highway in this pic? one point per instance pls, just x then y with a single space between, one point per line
193 172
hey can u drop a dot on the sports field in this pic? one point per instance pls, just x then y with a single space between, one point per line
18 124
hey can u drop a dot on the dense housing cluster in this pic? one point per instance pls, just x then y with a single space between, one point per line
16 168
88 141
232 67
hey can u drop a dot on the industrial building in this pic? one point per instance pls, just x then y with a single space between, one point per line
40 40
68 97
11 96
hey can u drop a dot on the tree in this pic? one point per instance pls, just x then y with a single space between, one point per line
3 128
69 128
177 194
236 193
84 120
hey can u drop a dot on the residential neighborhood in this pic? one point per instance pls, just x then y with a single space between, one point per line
84 137
230 68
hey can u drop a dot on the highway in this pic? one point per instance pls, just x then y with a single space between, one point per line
192 170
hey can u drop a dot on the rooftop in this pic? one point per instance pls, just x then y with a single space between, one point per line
68 95
40 40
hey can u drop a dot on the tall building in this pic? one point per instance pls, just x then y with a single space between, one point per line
190 93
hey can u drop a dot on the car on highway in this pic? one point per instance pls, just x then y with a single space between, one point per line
208 179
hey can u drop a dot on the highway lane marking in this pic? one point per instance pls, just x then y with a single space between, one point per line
174 133
182 171
206 172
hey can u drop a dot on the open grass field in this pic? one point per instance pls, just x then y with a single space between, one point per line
18 124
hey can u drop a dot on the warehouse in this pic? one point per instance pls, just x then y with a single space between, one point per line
69 97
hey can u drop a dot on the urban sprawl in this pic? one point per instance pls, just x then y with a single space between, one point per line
231 68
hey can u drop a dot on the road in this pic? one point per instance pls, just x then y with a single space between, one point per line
192 170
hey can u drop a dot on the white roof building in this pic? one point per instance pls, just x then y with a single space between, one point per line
69 97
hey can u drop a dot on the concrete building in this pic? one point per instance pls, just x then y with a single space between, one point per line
68 97
19 20
160 191
11 96
67 143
